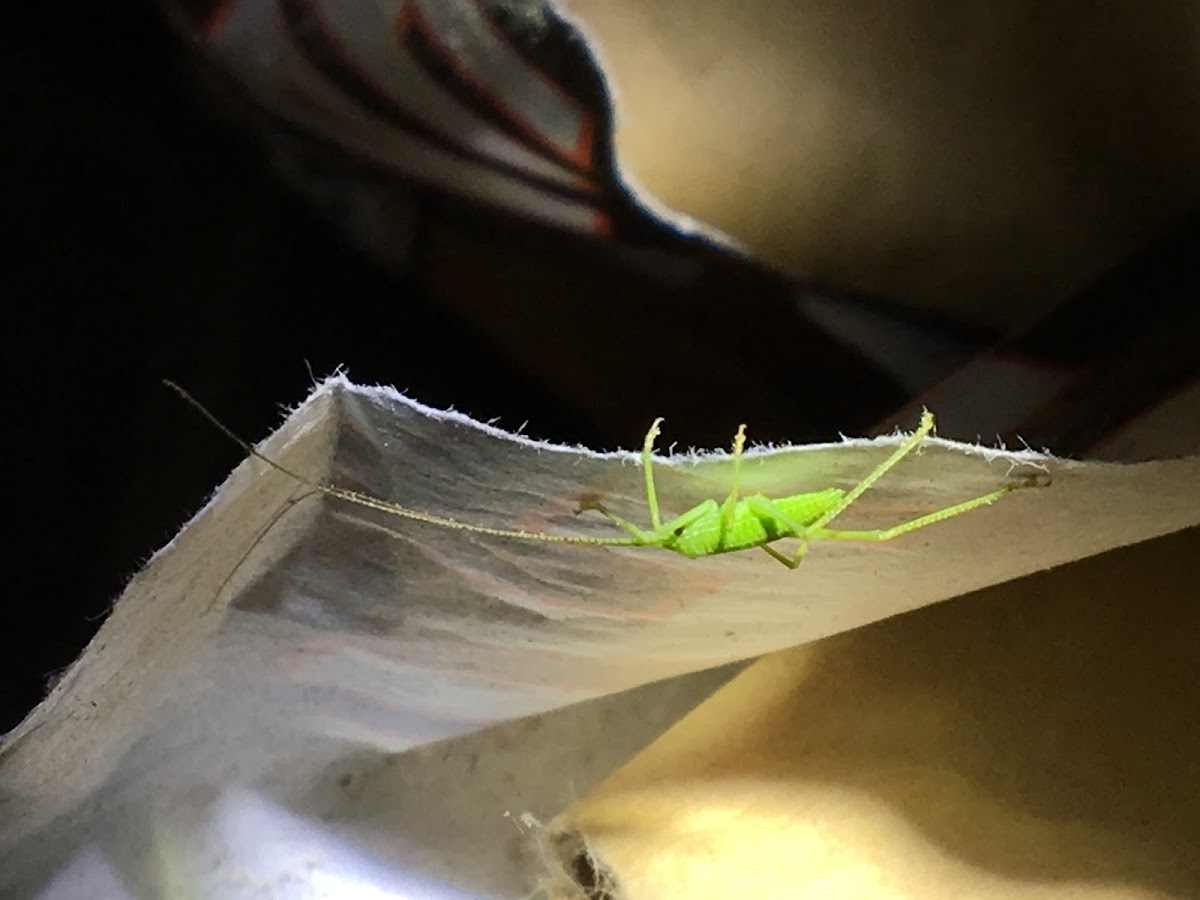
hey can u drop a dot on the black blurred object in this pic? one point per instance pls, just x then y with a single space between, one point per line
1111 373
148 237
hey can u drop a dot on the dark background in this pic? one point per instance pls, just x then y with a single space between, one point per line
148 236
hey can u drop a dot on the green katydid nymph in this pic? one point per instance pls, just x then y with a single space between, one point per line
739 522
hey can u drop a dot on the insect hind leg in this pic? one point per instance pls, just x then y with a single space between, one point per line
906 447
938 515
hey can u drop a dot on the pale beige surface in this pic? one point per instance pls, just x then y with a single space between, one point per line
1034 740
251 697
983 159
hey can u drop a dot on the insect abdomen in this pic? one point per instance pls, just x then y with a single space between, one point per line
807 508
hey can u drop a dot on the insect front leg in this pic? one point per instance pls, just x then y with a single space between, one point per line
655 535
648 474
668 532
642 536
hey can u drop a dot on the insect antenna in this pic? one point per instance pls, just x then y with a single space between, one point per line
385 506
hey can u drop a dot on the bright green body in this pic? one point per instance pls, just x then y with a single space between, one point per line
757 521
743 522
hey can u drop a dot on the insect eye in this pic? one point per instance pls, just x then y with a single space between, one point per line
679 531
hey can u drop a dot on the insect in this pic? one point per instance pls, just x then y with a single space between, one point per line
739 522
